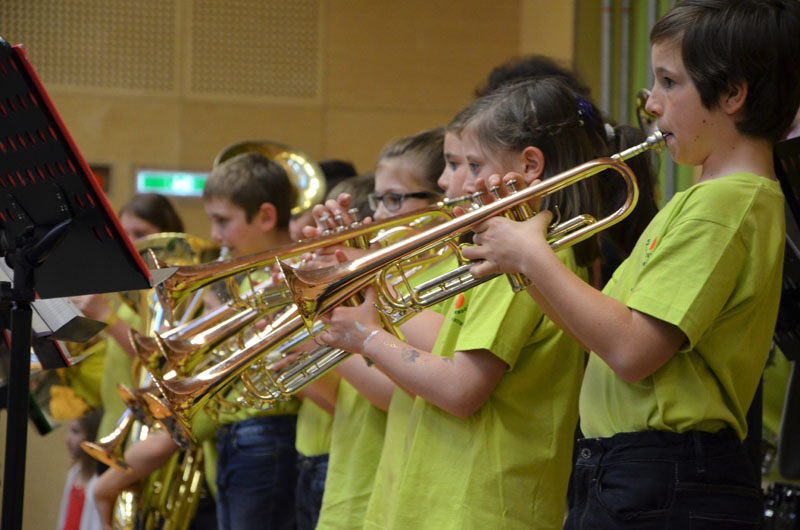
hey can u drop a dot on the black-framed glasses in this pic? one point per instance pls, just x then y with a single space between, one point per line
393 201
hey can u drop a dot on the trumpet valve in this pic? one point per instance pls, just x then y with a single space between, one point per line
524 210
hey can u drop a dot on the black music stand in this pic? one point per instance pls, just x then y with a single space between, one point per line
57 231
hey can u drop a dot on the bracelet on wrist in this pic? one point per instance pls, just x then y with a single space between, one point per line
369 338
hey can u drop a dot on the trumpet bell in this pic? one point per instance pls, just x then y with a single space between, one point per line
109 449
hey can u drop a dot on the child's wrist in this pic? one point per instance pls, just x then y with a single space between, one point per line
368 338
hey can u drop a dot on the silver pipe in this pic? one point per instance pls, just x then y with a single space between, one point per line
606 64
623 92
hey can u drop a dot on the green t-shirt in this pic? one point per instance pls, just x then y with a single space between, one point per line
117 369
356 440
351 468
205 431
313 435
508 464
710 263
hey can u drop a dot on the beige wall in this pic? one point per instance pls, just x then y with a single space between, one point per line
386 69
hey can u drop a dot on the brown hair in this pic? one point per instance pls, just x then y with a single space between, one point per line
156 210
546 113
250 180
725 42
427 149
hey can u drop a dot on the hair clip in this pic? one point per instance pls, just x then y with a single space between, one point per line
586 110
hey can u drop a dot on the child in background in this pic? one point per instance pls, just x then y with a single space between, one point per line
314 421
680 334
405 180
248 200
78 510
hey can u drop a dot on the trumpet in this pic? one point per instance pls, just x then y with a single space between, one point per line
196 337
318 291
188 279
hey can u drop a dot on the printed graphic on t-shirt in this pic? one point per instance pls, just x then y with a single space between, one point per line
651 246
459 309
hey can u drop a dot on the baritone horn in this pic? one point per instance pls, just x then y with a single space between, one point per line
318 291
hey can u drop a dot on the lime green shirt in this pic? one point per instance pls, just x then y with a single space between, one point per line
356 440
352 466
710 263
508 464
117 369
205 432
399 412
313 435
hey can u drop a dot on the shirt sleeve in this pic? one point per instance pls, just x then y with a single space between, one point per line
689 276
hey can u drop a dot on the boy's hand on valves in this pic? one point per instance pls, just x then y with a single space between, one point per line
349 327
498 242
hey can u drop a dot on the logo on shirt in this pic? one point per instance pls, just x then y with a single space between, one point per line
460 301
459 310
651 246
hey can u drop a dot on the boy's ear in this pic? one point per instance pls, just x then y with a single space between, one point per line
733 101
533 159
267 217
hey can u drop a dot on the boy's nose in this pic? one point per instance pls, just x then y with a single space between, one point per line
652 104
216 235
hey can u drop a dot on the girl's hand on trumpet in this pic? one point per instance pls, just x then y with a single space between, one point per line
351 328
330 216
506 246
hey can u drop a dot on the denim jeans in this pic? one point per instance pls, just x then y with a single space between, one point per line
311 472
648 480
256 474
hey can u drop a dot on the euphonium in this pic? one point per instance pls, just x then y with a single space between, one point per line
318 291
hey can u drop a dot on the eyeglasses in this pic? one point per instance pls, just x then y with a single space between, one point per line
393 201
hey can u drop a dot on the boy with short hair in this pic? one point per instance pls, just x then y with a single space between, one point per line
681 333
249 199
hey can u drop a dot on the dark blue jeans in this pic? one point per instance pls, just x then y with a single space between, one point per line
648 480
311 472
256 474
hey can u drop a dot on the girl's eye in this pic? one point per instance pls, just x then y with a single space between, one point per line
474 167
453 165
667 82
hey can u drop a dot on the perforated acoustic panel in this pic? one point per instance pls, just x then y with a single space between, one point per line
256 48
119 44
212 49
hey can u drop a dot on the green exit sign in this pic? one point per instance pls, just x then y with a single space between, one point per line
183 183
